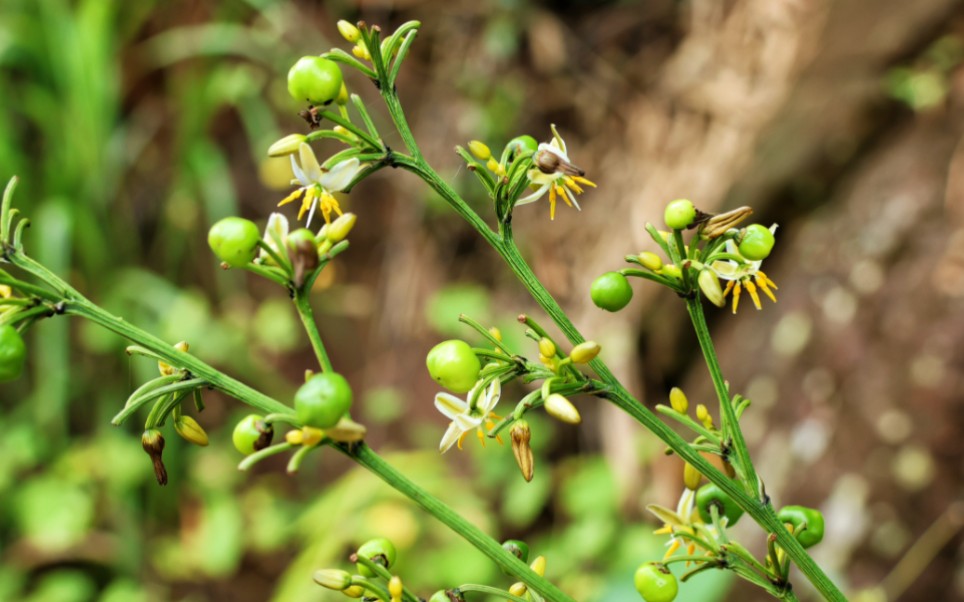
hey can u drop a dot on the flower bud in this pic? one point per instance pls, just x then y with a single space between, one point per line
153 444
650 261
348 31
361 52
562 409
546 347
518 589
311 436
678 400
520 435
395 588
286 146
339 229
342 98
294 437
585 352
538 566
718 225
166 369
303 252
347 431
335 579
189 430
703 415
691 477
496 333
710 285
480 150
355 591
672 271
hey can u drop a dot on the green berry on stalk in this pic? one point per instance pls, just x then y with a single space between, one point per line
440 596
314 79
454 365
380 551
251 434
521 144
517 548
234 241
323 400
757 242
679 214
611 291
655 583
808 525
709 496
13 353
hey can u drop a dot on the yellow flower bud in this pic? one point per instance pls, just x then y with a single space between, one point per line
678 400
295 437
166 369
288 145
395 588
311 436
704 416
189 429
348 31
335 579
672 271
480 150
538 566
691 477
710 285
361 52
518 589
342 98
496 333
494 166
546 347
562 409
585 352
355 591
339 229
650 261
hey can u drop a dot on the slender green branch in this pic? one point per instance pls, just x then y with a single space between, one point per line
303 304
364 455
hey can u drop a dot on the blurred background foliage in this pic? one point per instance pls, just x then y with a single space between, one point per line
135 125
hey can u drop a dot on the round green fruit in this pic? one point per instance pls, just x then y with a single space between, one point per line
234 241
808 525
251 434
655 583
521 144
314 79
757 242
13 353
679 214
380 551
454 365
323 400
611 291
709 496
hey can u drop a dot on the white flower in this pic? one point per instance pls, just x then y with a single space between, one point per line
318 183
275 234
467 415
554 173
743 273
685 519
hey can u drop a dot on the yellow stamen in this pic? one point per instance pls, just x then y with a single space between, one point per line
291 197
481 436
461 437
761 281
562 192
571 185
737 289
751 288
729 287
673 546
584 181
769 282
552 203
310 195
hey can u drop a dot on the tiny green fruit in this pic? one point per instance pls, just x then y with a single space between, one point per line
611 291
808 525
13 353
679 214
380 551
757 242
709 496
440 596
234 241
323 400
655 583
521 144
314 79
251 434
454 365
517 548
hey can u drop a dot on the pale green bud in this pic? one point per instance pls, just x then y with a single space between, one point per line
480 150
189 430
710 285
562 409
585 352
286 146
335 579
339 229
678 400
348 31
650 261
546 347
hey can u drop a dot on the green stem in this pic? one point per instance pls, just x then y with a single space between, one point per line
731 425
364 455
492 591
303 305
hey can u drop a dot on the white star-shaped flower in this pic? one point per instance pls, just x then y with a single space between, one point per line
317 184
469 414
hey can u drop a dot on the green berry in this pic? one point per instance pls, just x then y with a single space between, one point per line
517 548
323 400
807 523
454 365
521 144
757 242
709 496
655 583
679 214
440 596
251 434
13 353
234 241
314 79
380 551
611 291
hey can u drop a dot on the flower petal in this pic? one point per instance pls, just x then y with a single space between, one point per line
491 399
341 175
535 196
450 405
309 163
450 438
300 177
